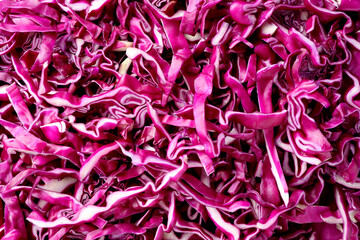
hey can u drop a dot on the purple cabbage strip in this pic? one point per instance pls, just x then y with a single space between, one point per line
198 119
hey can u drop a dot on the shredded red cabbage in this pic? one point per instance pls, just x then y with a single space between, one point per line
197 119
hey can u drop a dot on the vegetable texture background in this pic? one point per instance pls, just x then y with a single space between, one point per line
197 119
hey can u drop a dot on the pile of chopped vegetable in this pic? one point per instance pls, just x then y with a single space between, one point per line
187 119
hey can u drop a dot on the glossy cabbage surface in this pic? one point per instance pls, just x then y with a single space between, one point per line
194 119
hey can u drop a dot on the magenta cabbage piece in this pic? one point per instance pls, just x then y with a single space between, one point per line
197 119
